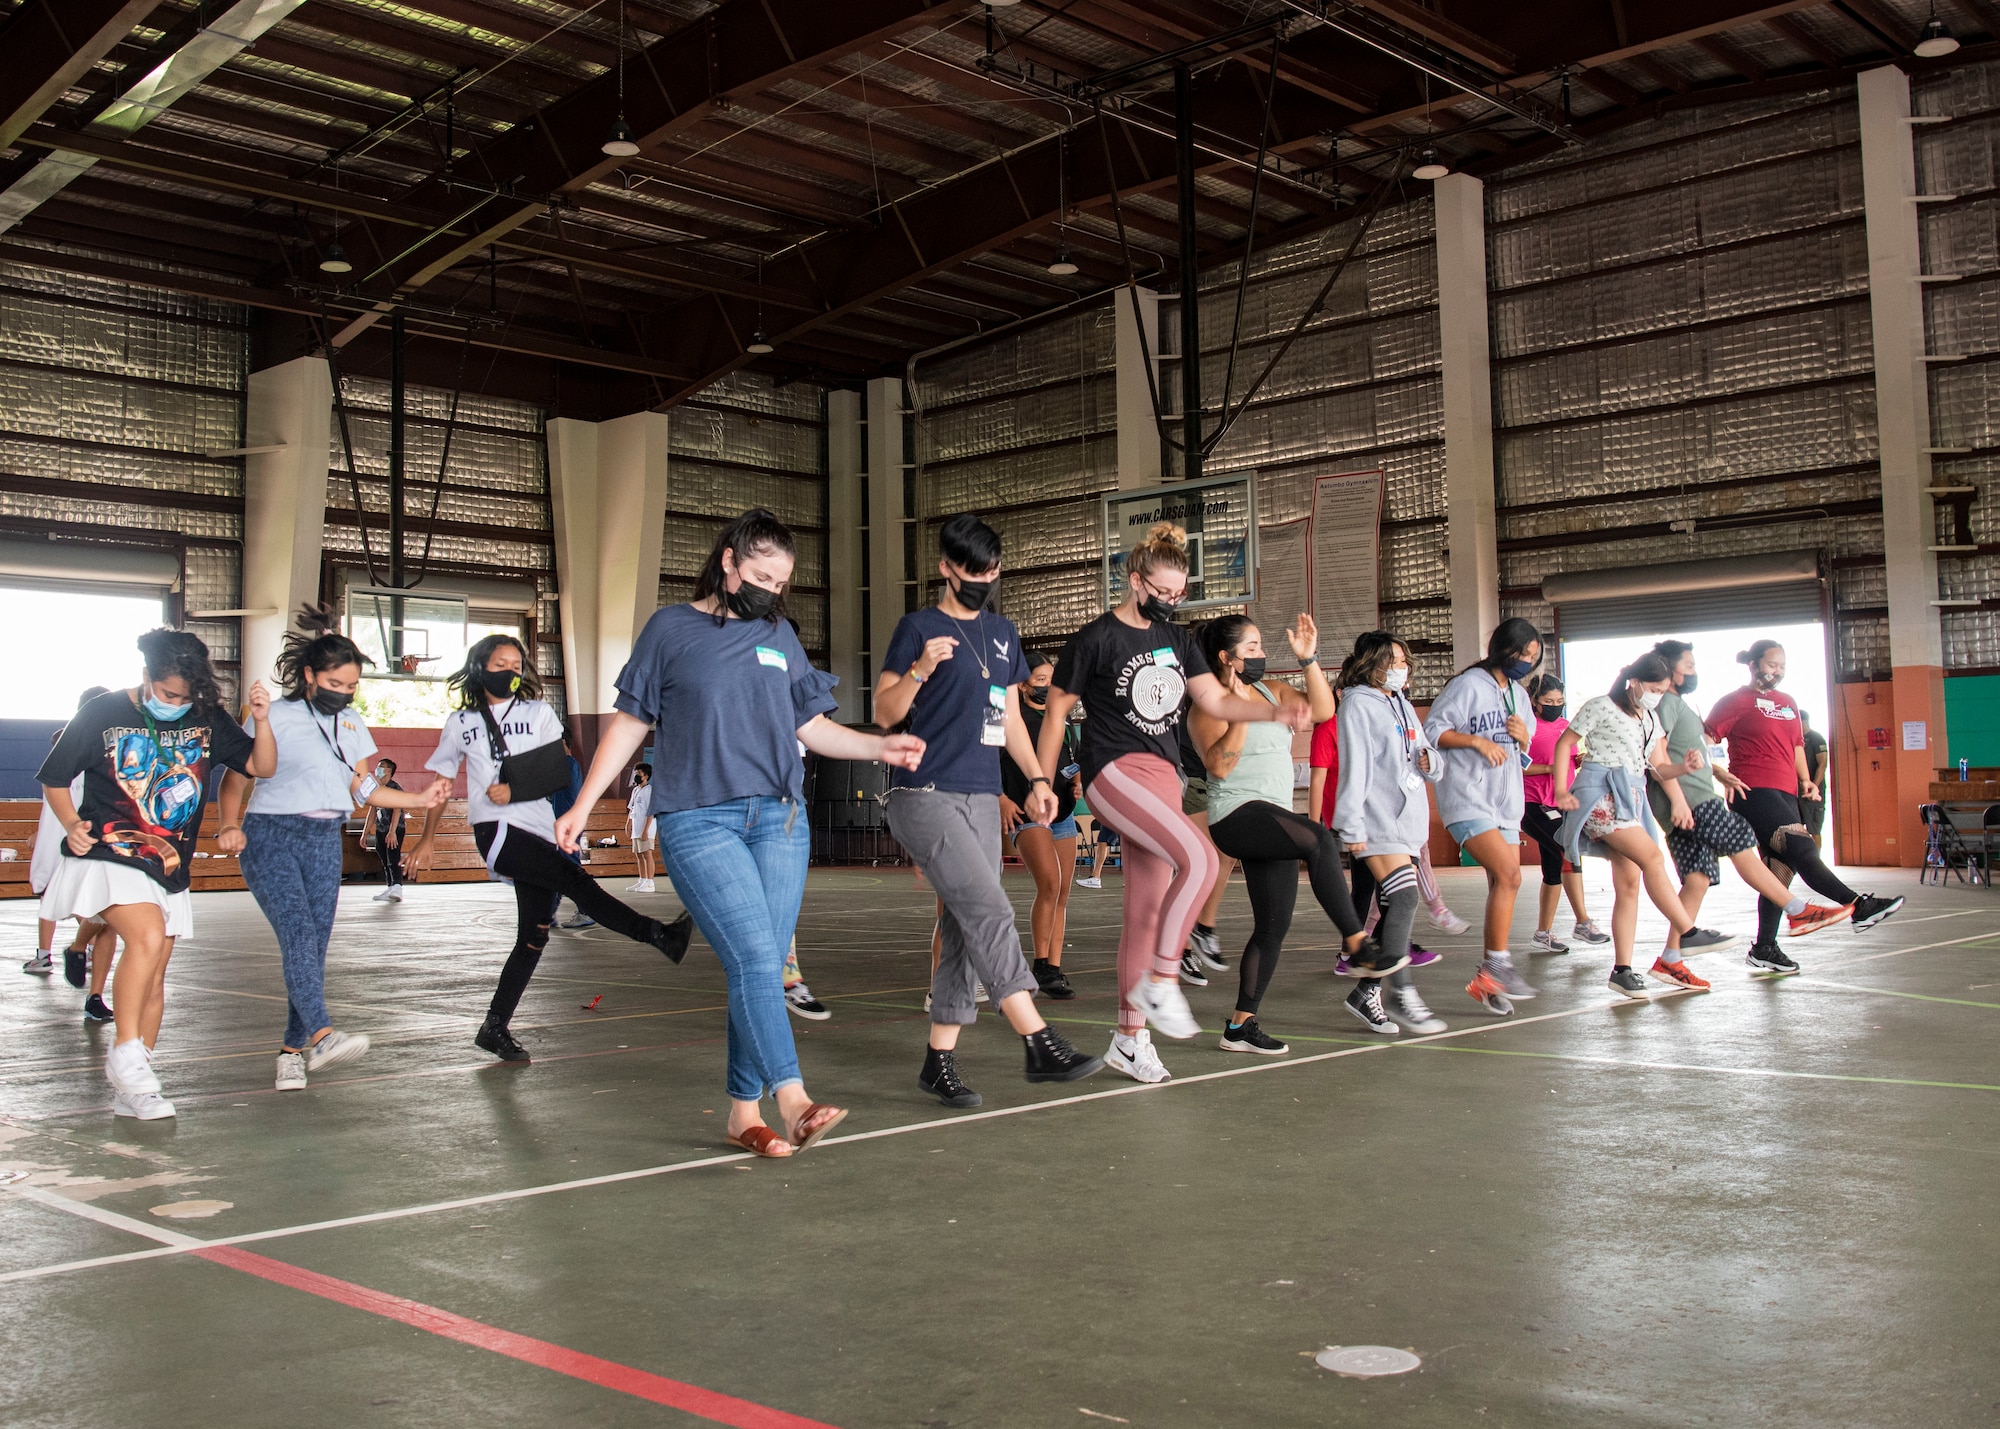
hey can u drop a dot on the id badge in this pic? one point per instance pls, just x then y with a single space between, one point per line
1413 781
993 732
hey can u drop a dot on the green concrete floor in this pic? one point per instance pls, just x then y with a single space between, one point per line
1769 1205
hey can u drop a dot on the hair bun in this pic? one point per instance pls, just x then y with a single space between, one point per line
318 620
1167 533
1744 657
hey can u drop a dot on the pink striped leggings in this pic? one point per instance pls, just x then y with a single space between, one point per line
1169 866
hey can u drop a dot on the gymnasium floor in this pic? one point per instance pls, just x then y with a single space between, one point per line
1773 1204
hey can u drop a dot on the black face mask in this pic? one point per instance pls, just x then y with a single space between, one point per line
973 595
1035 697
1253 670
1548 712
500 683
1153 608
1686 686
752 602
329 702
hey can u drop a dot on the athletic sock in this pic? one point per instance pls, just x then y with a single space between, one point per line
1795 907
1499 955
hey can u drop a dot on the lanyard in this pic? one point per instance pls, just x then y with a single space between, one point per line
332 740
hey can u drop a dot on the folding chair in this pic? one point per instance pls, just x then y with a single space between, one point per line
1945 853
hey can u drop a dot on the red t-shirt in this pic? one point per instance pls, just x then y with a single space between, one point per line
1763 730
1326 755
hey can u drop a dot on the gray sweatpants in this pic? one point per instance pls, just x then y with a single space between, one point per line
955 839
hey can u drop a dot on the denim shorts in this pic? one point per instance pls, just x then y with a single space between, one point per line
1467 829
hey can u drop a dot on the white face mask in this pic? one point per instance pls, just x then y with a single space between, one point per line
1395 678
1650 700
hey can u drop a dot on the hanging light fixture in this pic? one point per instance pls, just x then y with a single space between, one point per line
759 343
1430 166
334 259
622 143
1063 267
1935 40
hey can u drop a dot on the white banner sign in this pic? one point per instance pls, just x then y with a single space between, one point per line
1284 587
1346 561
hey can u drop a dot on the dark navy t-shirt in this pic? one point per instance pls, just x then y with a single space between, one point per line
949 713
728 699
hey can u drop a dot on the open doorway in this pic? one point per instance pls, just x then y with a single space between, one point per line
60 643
1589 667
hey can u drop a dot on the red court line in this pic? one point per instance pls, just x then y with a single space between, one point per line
689 1398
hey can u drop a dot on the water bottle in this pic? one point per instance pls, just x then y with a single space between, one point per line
1964 773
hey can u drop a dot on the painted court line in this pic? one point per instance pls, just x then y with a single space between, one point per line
1719 1071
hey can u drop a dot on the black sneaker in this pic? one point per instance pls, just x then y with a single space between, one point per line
1705 940
1365 1002
76 965
1052 1059
1373 962
1249 1037
1191 970
1870 910
95 1009
1766 957
940 1078
673 938
1630 983
1051 981
500 1042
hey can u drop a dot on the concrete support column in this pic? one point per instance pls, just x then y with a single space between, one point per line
887 569
1464 352
846 516
608 487
290 408
1138 432
1902 407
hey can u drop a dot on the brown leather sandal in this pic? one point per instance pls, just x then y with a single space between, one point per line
763 1141
817 1122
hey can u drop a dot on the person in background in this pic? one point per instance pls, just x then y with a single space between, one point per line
639 825
385 827
1204 949
42 863
1048 850
1541 821
1767 768
128 847
1814 808
1483 721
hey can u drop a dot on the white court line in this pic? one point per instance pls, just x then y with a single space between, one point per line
1919 948
646 1172
45 1197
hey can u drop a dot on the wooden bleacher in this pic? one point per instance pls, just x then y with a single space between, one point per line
457 860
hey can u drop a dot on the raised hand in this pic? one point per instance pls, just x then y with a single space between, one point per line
1303 637
937 650
260 702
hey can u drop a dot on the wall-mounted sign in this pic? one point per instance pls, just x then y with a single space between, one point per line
1220 518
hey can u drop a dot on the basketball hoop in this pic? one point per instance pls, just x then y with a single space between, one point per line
413 664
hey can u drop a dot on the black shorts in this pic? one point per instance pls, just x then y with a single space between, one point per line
1718 829
1543 824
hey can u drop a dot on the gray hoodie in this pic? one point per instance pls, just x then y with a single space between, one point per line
1472 703
1381 800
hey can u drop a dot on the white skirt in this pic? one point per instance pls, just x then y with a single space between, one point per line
85 887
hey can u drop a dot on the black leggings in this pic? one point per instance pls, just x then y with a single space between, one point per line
543 876
1270 842
392 861
1540 823
1770 812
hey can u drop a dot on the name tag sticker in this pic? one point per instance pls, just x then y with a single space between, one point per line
774 658
996 695
1413 781
1165 656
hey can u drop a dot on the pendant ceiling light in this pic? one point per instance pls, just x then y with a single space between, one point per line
334 259
622 143
1430 166
1936 40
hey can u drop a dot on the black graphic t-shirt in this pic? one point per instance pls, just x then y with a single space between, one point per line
145 782
1134 683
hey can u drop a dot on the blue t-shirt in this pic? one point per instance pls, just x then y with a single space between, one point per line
728 698
949 713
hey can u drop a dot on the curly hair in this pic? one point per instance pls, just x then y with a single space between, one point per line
317 645
468 693
1165 548
181 654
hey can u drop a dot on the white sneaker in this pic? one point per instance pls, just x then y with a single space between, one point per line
42 964
389 895
130 1070
291 1071
637 885
335 1047
1090 883
1406 1009
1548 943
1166 1007
1587 931
1447 922
979 992
646 885
1135 1057
146 1106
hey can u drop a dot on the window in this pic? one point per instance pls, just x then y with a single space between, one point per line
61 642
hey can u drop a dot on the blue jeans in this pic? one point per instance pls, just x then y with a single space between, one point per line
291 865
740 869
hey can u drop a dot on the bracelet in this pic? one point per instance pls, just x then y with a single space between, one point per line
1305 660
1041 779
914 676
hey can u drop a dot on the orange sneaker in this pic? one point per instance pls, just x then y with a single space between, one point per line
1676 975
1818 916
1485 989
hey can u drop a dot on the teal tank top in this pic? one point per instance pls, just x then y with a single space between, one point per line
1263 770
